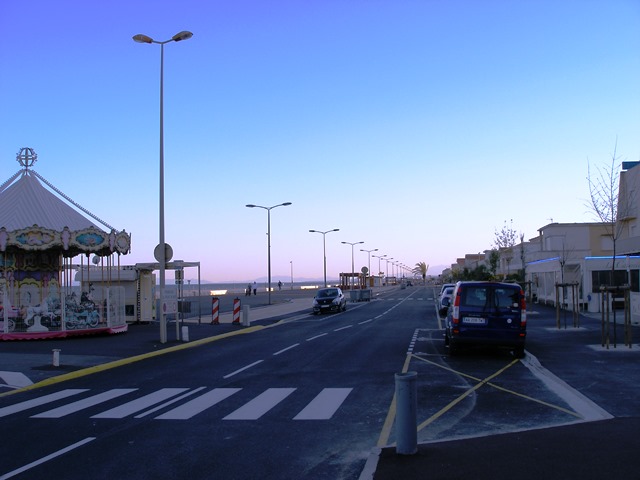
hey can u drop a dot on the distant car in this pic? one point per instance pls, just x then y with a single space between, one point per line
445 301
329 300
487 314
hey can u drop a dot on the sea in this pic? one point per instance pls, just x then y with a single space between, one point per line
230 288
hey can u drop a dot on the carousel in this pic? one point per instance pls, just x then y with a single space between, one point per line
44 242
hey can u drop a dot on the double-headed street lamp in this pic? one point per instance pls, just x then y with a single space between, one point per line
324 249
352 264
388 259
162 253
268 209
369 252
379 257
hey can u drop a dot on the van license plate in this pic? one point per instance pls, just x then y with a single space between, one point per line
474 320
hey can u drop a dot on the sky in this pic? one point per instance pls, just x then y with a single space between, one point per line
416 127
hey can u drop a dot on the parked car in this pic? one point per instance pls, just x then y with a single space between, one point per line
487 314
445 301
443 288
329 300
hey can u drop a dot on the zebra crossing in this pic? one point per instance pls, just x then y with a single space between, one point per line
174 403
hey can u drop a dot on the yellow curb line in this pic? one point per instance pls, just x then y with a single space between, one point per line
125 361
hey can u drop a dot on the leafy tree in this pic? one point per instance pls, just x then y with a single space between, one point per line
494 259
505 240
421 269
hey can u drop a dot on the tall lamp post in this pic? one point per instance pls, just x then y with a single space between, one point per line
324 249
379 257
352 264
369 252
388 259
268 209
162 253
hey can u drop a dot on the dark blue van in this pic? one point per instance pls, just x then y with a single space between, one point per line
487 314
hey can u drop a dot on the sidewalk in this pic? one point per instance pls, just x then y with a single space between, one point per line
274 312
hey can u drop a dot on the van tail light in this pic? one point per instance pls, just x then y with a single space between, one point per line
455 315
523 310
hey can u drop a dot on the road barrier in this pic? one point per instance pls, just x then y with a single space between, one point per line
215 311
236 311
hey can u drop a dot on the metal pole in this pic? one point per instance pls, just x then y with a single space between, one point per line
324 252
162 260
269 250
406 414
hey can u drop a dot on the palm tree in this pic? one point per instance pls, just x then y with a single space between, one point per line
421 269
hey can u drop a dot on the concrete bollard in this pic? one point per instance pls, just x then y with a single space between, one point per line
246 321
56 357
406 413
185 334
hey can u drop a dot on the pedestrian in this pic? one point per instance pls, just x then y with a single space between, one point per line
248 290
255 289
279 284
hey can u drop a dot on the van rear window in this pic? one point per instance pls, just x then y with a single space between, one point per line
490 297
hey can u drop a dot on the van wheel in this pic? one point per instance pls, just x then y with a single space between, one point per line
518 352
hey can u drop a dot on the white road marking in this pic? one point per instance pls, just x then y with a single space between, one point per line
47 458
197 405
141 403
243 369
171 402
576 400
317 336
324 405
15 379
261 404
285 349
36 402
85 403
343 328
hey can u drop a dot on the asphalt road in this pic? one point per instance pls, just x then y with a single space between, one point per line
310 398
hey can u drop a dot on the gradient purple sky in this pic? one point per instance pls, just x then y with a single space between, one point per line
418 127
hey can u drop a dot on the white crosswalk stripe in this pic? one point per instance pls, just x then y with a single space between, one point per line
36 402
260 405
322 407
197 405
141 403
85 403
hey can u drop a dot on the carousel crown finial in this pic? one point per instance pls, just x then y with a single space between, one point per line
26 157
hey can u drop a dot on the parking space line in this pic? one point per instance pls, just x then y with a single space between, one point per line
464 395
506 390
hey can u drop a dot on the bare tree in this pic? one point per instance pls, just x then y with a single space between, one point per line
606 203
611 210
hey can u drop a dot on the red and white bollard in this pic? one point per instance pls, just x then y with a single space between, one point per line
215 311
236 311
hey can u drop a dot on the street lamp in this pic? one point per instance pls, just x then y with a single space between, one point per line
163 253
369 252
324 249
352 265
268 209
379 257
387 260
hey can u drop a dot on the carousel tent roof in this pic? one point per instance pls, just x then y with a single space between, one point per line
26 202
